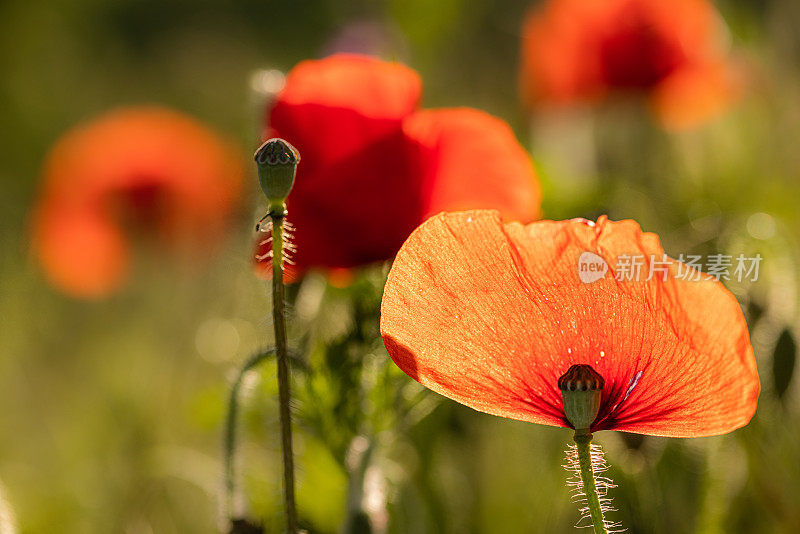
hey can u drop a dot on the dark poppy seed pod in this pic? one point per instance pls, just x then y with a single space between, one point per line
581 390
277 164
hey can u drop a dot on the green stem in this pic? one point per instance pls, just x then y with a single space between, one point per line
230 427
281 350
357 470
582 441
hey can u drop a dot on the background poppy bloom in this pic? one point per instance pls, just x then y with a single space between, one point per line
492 314
374 166
137 172
672 52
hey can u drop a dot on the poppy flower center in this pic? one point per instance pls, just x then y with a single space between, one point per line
581 390
637 55
142 207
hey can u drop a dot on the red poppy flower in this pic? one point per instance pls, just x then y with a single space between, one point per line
374 166
672 52
492 314
138 172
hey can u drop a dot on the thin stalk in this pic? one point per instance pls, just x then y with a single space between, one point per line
359 455
282 354
582 441
230 427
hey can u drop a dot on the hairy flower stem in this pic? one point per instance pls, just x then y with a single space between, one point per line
582 439
282 354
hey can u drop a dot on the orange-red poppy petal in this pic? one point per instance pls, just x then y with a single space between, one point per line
471 160
675 53
491 314
133 172
695 94
119 158
80 252
357 211
373 168
332 108
560 59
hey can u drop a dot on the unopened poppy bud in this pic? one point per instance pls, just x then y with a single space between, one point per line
277 163
581 389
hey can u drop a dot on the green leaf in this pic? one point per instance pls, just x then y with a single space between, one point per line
783 362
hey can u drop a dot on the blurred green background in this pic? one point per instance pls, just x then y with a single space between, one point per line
111 411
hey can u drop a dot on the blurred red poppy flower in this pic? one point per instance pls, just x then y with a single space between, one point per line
492 314
672 52
374 166
148 173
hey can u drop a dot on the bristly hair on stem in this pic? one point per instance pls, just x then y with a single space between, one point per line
284 377
288 247
601 486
